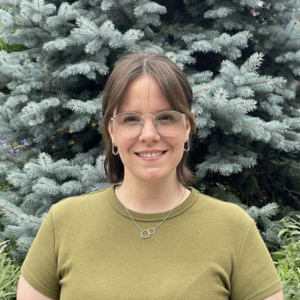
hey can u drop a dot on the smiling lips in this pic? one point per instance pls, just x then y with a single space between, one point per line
149 154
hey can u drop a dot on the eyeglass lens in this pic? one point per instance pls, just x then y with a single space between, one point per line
167 123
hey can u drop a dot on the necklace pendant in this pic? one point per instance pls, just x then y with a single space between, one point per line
149 232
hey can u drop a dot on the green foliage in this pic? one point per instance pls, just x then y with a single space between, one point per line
10 48
287 259
9 272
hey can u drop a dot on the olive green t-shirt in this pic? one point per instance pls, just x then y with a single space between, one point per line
89 248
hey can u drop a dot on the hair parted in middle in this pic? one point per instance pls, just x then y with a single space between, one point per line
173 84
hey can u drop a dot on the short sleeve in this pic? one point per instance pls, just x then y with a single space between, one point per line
255 276
40 265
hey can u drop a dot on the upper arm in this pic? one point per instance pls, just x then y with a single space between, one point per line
254 275
40 268
277 296
27 292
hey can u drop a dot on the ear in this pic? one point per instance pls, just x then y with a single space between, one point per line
111 128
193 113
111 132
188 125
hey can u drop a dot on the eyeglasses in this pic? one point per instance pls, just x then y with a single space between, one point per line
130 124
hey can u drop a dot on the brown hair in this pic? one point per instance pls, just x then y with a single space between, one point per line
175 87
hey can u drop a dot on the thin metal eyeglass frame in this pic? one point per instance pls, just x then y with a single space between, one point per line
153 117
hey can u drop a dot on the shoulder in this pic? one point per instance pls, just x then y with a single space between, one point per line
79 198
226 214
80 204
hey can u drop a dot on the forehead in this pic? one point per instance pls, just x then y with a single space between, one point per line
143 95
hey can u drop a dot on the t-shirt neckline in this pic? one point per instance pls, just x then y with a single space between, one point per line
149 217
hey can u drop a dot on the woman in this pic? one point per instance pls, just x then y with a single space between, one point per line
150 235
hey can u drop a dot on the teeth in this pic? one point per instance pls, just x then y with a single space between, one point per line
150 154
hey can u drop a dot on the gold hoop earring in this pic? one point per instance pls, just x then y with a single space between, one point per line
113 146
188 149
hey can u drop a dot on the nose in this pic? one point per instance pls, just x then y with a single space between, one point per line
149 132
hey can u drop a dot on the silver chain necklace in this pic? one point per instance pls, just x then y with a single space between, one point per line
150 230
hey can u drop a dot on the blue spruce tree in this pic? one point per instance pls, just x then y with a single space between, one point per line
242 58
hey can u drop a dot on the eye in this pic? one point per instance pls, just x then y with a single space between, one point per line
166 117
131 119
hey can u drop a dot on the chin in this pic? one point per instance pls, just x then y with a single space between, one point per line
152 176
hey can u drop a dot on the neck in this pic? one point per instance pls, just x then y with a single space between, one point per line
151 197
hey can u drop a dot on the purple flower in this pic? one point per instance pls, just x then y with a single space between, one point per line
2 142
13 150
25 143
15 147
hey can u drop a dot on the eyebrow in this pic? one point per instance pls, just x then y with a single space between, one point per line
157 111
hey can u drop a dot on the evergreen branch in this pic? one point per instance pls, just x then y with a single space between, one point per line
205 98
45 159
92 170
262 126
6 126
123 12
275 129
80 22
224 63
293 28
237 39
274 184
295 39
10 158
263 82
253 64
28 26
266 186
291 193
207 89
82 34
241 102
264 172
5 209
37 25
10 5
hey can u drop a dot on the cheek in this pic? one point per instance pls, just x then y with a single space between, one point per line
177 144
125 146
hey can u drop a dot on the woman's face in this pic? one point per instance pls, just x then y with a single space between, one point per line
144 96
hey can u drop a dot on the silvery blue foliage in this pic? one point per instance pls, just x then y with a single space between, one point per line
54 88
